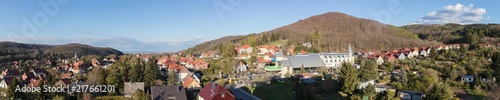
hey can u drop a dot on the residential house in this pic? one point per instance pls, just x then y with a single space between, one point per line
5 82
39 72
213 91
241 67
467 78
201 64
362 85
423 52
130 88
67 75
190 83
382 88
410 95
34 82
28 76
168 93
183 73
415 51
390 57
78 67
308 45
243 56
279 56
379 60
261 62
244 49
264 50
62 82
11 73
401 56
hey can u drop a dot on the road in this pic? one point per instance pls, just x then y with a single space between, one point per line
239 93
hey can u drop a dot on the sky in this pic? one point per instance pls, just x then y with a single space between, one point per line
173 25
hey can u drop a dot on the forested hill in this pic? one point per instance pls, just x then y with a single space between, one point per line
456 33
11 51
330 32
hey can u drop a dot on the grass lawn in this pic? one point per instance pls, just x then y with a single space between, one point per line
480 94
274 91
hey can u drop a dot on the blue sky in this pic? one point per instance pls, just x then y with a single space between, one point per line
172 25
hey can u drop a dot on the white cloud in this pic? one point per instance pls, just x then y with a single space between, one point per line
458 13
120 43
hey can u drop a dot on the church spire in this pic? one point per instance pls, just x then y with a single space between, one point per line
350 50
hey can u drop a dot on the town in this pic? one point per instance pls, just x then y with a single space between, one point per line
249 50
265 72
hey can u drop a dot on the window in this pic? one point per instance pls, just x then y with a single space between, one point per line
222 95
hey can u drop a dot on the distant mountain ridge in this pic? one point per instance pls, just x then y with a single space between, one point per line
10 51
456 33
338 30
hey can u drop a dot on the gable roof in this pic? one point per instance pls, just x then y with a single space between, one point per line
187 81
168 92
66 81
67 75
213 91
296 61
39 70
12 72
29 75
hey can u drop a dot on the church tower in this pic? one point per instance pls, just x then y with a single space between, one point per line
350 51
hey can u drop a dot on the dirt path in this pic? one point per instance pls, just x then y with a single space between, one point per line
462 94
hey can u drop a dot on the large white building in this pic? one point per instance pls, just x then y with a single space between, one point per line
335 60
294 63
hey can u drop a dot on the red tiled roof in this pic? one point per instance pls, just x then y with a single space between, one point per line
213 91
187 81
67 75
303 52
173 66
245 46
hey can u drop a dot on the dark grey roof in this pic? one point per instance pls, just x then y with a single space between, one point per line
307 81
168 92
285 63
308 61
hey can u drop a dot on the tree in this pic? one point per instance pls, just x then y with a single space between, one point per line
264 38
389 95
369 91
97 76
42 94
11 93
472 37
434 53
369 71
440 92
496 64
302 69
348 78
137 70
114 78
141 95
172 79
151 72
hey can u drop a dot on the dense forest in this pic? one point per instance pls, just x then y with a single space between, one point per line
329 32
456 33
11 51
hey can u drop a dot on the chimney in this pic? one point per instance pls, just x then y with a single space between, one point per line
213 87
